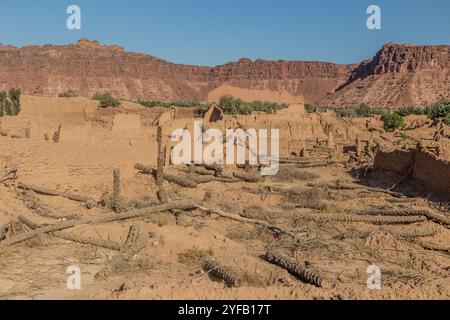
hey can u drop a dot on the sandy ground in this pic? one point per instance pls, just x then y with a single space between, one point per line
170 264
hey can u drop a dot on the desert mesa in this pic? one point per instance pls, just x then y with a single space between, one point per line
398 75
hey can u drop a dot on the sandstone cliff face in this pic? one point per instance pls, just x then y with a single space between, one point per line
397 75
87 67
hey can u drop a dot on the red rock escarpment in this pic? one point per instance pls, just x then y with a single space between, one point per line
396 76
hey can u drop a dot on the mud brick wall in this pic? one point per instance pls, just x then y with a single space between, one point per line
398 161
432 171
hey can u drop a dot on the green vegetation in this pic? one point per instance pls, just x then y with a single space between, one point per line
438 110
392 121
232 106
362 111
447 119
410 110
178 103
106 100
68 94
10 103
228 104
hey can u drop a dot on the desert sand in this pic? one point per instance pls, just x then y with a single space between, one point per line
337 207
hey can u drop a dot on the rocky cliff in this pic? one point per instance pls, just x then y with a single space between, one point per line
397 75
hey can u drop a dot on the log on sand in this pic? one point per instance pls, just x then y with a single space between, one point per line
179 205
235 217
225 273
42 209
207 179
182 181
89 201
248 177
325 217
408 212
340 186
302 272
319 164
73 237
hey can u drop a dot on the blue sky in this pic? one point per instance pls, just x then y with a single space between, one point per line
213 32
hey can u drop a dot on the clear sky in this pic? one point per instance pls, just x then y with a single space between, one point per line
213 32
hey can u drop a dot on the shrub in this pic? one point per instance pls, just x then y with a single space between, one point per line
232 106
97 96
410 110
68 94
178 103
106 100
392 121
10 103
312 107
438 110
447 119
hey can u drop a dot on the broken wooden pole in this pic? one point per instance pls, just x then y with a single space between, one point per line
57 134
248 177
89 201
182 181
107 244
117 192
225 273
179 205
160 167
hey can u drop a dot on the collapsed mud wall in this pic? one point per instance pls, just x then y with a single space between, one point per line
398 161
432 171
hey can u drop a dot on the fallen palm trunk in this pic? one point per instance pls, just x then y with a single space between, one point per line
433 246
353 187
89 201
318 164
201 171
180 205
272 227
403 200
405 213
34 204
182 181
228 275
324 217
108 244
418 232
248 177
218 171
206 179
305 274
